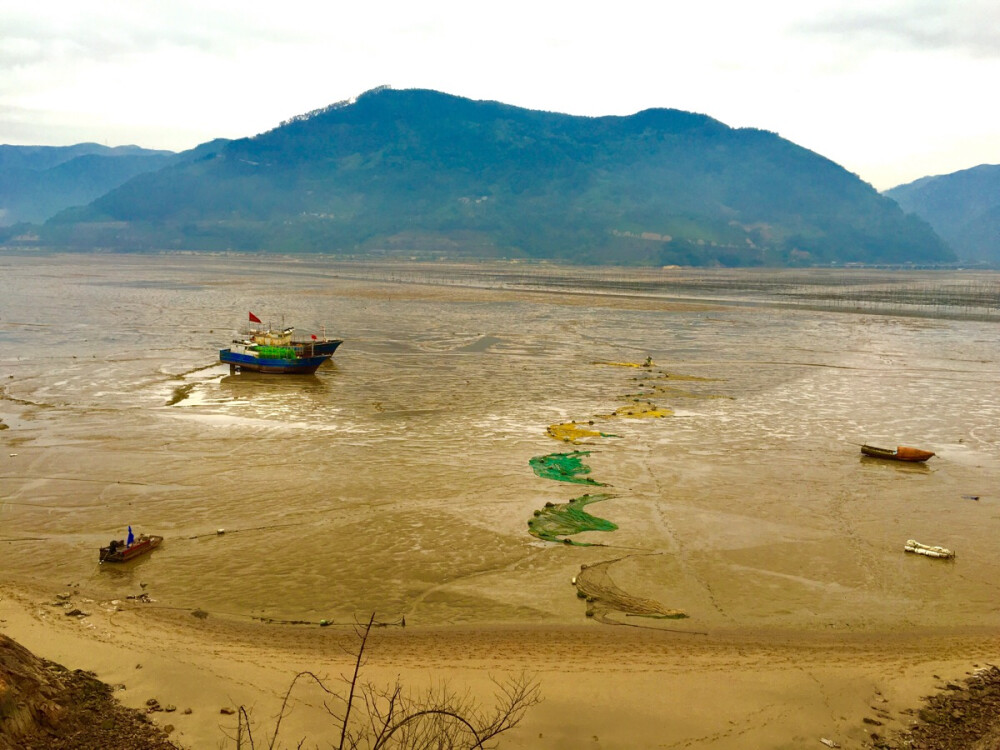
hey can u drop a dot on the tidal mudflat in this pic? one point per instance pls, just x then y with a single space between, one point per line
760 553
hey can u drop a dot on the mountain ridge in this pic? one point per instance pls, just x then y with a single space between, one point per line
963 208
415 171
36 182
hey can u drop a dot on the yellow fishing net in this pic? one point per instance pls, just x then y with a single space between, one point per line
640 410
574 432
647 363
674 392
663 375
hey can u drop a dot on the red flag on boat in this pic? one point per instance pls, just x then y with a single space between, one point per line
254 318
314 337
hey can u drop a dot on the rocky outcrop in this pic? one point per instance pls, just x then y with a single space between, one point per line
962 716
43 705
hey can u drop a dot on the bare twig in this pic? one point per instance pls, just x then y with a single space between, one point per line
354 680
284 703
437 718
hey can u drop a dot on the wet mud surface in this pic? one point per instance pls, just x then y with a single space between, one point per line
398 478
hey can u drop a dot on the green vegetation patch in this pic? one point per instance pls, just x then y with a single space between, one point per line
564 467
181 392
554 523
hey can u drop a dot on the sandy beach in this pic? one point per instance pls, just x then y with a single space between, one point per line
602 687
742 573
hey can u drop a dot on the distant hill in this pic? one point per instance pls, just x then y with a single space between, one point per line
963 207
40 158
36 182
422 173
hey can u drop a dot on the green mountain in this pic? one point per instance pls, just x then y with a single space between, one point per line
36 182
963 207
418 172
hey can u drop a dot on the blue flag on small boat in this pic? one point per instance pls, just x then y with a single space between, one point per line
131 537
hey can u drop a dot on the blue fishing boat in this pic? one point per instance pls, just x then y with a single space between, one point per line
270 359
277 351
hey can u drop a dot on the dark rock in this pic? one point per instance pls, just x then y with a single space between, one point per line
929 716
58 709
960 717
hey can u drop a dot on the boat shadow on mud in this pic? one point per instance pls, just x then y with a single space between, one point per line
903 466
248 386
257 380
124 572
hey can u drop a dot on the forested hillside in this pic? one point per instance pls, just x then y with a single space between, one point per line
963 207
37 182
418 172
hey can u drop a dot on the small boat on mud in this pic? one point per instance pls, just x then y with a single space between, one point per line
277 351
900 453
928 550
120 551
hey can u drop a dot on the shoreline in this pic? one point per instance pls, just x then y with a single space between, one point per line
627 687
400 480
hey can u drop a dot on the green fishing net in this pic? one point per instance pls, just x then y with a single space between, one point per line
275 352
564 467
565 519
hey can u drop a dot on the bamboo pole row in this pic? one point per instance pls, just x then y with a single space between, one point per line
949 294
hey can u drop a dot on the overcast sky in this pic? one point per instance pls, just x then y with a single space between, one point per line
891 89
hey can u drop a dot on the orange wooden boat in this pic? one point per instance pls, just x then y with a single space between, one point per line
900 453
118 551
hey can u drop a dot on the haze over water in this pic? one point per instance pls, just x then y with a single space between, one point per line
397 480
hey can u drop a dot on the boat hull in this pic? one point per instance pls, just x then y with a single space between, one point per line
302 348
297 366
901 453
927 550
327 347
123 554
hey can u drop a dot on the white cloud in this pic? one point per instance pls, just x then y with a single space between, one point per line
883 88
964 27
